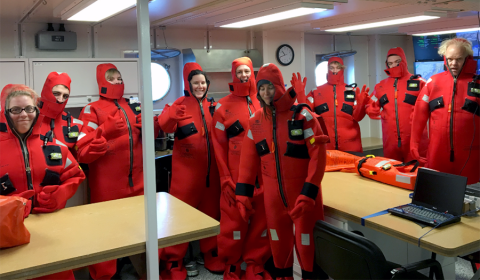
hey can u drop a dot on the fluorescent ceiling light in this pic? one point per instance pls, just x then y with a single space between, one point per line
382 23
274 17
98 10
447 31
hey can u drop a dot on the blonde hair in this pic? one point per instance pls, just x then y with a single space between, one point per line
337 63
110 72
21 91
459 42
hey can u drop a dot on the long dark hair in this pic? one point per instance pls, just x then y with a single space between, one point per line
267 109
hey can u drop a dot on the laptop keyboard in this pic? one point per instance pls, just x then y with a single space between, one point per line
413 212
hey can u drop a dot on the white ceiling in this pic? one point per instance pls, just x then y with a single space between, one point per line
204 13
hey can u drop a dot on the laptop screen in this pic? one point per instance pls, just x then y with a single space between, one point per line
439 191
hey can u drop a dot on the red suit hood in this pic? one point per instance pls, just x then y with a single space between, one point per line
270 74
48 104
402 68
469 66
339 77
187 69
237 87
105 88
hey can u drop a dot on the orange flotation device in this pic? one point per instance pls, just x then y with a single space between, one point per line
388 171
341 161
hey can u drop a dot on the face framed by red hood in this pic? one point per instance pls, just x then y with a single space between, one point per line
338 78
402 68
48 104
105 88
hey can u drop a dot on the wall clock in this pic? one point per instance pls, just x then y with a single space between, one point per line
285 54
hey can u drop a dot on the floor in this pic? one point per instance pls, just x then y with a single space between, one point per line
463 271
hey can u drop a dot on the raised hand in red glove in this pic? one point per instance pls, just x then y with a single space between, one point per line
299 87
177 112
228 190
362 96
49 199
114 127
97 148
303 205
27 195
244 206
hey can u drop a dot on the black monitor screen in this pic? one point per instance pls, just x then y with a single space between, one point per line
439 191
426 47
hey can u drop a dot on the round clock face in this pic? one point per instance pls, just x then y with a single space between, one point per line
285 54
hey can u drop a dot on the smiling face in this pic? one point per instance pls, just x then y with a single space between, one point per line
455 56
22 122
61 93
243 73
199 86
267 92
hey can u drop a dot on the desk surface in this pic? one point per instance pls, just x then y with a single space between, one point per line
351 197
83 235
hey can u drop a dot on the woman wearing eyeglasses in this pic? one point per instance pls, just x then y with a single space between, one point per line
32 166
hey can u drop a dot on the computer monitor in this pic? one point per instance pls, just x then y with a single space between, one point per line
429 68
439 191
425 48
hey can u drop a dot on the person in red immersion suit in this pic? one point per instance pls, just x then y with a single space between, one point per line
286 142
195 178
397 96
341 106
32 167
450 103
55 93
238 240
114 150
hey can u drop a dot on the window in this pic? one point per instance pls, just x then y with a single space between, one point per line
160 81
321 73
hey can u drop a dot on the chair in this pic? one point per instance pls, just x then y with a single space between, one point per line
345 255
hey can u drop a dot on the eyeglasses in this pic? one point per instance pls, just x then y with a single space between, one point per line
17 110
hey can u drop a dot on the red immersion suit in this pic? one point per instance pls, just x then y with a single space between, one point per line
341 110
116 164
65 127
195 178
36 165
451 106
239 240
289 148
397 96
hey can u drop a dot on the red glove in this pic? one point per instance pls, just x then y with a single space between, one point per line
303 205
244 207
97 148
177 112
28 206
299 87
228 190
362 97
114 127
416 155
49 199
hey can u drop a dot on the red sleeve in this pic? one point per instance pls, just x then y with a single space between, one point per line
421 113
220 145
90 123
71 177
315 141
249 165
310 101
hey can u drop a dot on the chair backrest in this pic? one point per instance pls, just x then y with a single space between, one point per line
345 255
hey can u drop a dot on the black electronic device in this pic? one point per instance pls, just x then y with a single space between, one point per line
437 198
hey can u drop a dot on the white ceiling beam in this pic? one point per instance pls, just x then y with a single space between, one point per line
440 25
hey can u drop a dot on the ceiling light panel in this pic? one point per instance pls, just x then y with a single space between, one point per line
447 31
97 10
382 23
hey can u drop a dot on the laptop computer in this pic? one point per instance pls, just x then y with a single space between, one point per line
437 199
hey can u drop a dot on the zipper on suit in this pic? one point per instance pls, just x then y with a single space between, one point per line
452 106
277 160
26 161
208 141
130 175
396 114
249 102
335 114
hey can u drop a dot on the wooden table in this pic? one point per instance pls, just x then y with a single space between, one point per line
351 197
83 235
